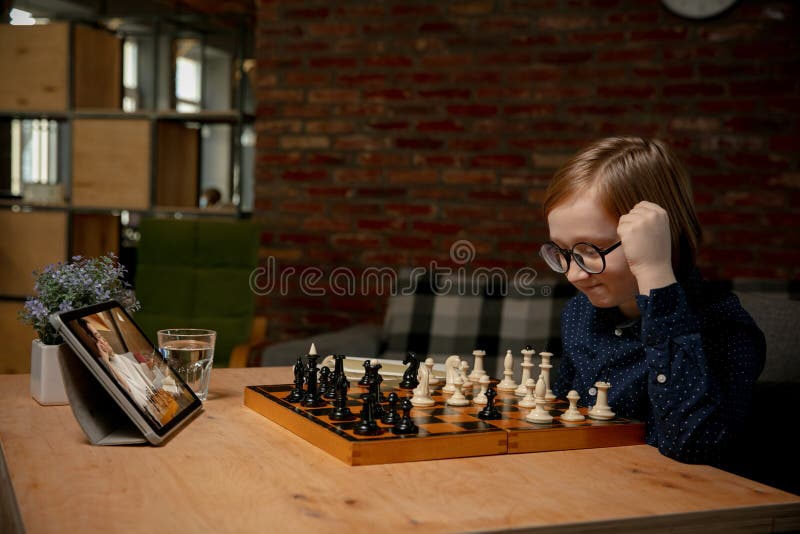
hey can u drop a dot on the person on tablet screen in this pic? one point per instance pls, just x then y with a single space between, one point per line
134 378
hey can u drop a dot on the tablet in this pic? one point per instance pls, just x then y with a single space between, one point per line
125 362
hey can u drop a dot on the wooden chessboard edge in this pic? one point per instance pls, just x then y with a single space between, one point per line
584 437
311 432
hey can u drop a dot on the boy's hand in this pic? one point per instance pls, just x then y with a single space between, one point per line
645 235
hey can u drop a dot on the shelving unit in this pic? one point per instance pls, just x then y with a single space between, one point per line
119 149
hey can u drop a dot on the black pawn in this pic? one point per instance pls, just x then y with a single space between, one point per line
405 425
341 412
368 426
390 415
365 379
490 411
326 389
297 394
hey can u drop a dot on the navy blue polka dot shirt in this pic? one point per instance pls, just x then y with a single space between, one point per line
687 366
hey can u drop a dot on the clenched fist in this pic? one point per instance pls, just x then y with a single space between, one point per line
645 235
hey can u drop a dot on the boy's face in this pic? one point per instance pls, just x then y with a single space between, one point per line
582 218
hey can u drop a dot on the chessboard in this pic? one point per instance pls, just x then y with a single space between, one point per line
444 431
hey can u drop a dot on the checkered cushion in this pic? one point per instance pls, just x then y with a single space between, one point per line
456 316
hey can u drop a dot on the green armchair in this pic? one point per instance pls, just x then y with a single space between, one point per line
195 274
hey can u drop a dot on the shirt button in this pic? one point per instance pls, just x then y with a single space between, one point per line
592 391
661 378
618 332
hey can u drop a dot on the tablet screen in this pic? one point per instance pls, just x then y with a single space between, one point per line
126 356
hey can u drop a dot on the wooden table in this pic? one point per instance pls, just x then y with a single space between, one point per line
232 470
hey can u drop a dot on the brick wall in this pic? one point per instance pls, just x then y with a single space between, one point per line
389 130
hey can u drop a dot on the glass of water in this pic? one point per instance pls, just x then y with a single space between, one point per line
190 352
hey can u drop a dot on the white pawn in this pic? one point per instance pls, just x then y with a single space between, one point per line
458 398
545 367
466 383
601 410
540 415
527 364
481 398
422 393
572 414
451 366
429 364
528 401
508 384
477 371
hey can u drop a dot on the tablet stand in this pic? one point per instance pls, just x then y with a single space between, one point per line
97 413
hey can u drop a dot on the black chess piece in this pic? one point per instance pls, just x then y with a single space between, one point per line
341 412
325 382
405 425
312 398
338 367
410 380
368 426
297 394
490 411
365 379
390 415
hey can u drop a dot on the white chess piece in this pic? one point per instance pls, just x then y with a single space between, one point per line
508 384
540 415
572 414
545 366
452 370
527 364
466 383
458 398
432 380
313 350
481 398
528 401
601 410
422 393
477 371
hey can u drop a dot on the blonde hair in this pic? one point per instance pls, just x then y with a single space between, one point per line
625 171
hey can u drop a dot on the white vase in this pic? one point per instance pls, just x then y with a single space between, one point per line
47 385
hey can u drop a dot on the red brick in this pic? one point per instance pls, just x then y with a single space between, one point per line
326 224
472 145
331 30
355 241
363 80
279 158
405 10
693 89
535 41
758 161
565 56
427 227
440 126
321 158
437 193
357 176
626 91
449 94
303 239
627 54
405 210
728 218
388 61
328 191
469 177
494 195
446 60
387 94
333 62
419 143
475 110
307 13
438 27
389 125
381 225
380 192
503 93
409 242
384 159
661 34
662 71
416 176
329 127
434 160
305 175
598 38
359 142
333 96
499 161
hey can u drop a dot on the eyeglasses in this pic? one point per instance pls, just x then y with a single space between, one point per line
589 257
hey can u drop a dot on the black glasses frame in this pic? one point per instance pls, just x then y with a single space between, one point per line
568 254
